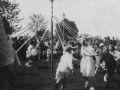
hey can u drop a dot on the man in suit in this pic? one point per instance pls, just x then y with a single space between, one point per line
110 65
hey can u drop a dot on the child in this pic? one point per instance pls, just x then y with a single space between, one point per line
64 68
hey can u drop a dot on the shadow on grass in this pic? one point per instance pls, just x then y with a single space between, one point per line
43 67
99 88
29 85
82 89
108 88
23 74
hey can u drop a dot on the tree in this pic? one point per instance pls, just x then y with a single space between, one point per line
72 33
36 20
10 12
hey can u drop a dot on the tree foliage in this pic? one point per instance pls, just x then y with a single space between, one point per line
64 32
36 20
10 12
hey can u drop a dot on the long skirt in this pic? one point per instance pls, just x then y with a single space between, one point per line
62 72
87 66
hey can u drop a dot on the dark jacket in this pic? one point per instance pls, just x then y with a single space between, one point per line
109 60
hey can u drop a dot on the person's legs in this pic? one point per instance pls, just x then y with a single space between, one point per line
57 83
59 77
30 62
118 67
44 54
7 72
110 73
36 61
111 76
63 83
86 82
108 76
108 81
48 57
3 77
11 75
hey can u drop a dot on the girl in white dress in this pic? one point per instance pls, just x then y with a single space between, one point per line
87 63
64 68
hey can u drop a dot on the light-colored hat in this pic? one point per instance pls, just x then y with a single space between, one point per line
101 44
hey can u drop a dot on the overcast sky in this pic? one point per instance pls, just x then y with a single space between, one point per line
91 16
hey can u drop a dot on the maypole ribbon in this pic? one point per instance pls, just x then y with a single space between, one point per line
28 39
67 28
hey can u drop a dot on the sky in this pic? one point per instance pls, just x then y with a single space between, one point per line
95 17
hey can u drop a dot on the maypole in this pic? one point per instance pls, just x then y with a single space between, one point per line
63 28
52 36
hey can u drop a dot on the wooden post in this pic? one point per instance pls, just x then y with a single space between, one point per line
52 36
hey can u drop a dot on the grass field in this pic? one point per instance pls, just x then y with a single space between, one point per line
30 78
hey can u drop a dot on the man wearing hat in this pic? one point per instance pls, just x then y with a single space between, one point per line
110 65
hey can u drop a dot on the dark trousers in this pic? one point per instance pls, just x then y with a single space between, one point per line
118 67
34 59
7 72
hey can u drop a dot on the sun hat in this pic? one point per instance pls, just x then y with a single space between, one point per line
101 44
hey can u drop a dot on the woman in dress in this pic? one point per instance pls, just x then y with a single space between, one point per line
87 63
33 53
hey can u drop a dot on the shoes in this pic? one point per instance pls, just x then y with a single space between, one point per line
86 84
47 60
92 88
105 78
62 88
28 65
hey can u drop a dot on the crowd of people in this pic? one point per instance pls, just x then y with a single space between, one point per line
93 53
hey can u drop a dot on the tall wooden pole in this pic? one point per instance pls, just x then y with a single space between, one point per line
63 27
52 36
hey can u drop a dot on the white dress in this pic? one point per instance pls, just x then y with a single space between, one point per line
87 63
64 66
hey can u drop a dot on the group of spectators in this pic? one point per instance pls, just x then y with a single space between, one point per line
95 54
45 46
